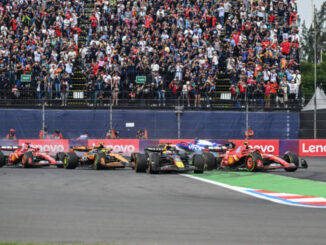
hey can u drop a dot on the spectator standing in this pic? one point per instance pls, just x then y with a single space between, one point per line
83 136
115 88
57 135
293 94
44 134
11 135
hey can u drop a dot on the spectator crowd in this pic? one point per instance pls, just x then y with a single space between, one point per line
181 47
38 38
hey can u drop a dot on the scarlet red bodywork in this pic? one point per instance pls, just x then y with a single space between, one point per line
39 158
237 156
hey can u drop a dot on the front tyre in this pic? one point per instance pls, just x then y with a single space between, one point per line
254 162
209 160
154 163
70 160
291 158
27 160
140 163
199 163
60 156
99 161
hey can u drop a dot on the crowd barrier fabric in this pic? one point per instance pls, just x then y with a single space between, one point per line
159 124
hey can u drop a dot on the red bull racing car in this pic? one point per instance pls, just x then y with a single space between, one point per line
245 158
167 158
26 156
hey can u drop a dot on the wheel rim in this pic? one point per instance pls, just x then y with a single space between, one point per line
260 164
250 162
30 160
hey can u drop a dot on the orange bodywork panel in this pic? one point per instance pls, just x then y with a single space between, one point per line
119 157
114 164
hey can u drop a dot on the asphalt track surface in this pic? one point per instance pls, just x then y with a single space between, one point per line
120 206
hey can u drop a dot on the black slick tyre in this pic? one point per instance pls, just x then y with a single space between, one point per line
2 160
254 162
140 163
70 160
99 161
60 156
27 160
210 162
154 163
291 158
199 163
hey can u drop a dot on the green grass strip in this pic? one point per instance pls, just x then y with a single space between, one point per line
268 182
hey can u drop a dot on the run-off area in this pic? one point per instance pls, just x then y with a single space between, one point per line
58 205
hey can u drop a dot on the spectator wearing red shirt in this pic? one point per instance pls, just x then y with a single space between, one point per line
96 67
175 87
94 22
274 87
286 47
57 135
249 133
267 95
11 135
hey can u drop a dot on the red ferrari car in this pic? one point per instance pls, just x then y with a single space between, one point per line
245 158
27 156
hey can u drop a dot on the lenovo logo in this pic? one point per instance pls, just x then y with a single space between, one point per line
312 148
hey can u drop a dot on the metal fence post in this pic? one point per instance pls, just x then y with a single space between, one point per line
179 111
111 123
43 116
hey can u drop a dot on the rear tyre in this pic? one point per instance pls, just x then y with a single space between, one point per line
199 163
254 162
60 156
27 160
70 160
154 163
99 161
209 160
2 160
291 158
140 163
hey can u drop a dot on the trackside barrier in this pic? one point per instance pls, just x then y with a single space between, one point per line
307 147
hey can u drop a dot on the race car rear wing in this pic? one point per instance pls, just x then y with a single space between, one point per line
154 149
220 148
9 148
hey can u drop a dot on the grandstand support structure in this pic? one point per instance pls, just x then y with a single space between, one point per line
221 96
78 89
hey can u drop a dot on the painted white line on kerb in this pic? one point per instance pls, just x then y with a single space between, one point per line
251 192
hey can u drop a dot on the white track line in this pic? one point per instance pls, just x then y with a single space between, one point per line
251 192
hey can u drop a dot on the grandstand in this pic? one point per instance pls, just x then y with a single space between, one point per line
150 54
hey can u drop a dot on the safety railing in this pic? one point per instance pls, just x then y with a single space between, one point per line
26 98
